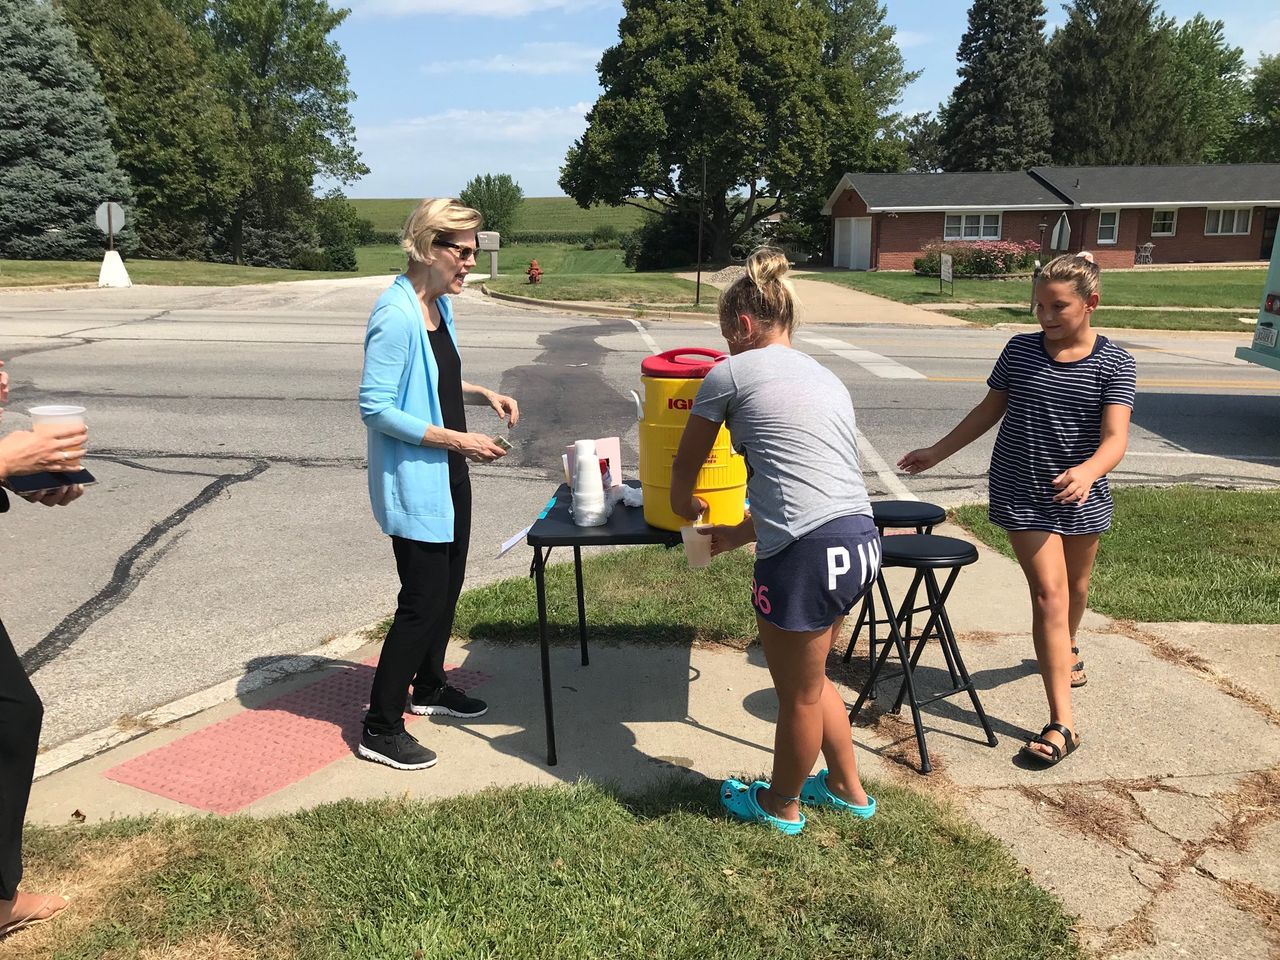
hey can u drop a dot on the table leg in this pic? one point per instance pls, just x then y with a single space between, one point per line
582 605
539 564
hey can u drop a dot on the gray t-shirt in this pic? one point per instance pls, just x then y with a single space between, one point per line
793 420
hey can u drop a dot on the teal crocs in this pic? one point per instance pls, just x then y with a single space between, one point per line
815 794
739 801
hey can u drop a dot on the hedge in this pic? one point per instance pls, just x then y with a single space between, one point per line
979 258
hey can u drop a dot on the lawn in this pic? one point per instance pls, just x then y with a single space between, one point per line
572 871
1234 289
632 289
25 273
1129 319
1180 553
559 214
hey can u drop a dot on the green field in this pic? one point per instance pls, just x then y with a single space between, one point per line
177 273
1124 319
1233 289
558 214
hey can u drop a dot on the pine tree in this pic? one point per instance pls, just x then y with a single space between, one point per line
56 160
172 136
1115 94
998 117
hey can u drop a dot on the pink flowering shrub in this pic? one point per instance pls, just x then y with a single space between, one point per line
979 258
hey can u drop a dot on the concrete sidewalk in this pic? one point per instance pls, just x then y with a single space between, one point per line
1161 833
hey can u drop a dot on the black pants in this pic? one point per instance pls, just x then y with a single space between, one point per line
20 715
431 576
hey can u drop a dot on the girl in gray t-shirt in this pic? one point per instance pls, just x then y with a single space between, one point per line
817 548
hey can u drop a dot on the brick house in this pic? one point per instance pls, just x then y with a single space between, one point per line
1188 214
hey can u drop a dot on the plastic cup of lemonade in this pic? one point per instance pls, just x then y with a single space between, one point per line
56 418
697 545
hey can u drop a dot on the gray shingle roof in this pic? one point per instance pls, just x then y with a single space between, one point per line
950 191
1147 185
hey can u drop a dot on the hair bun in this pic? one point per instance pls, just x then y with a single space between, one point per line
1086 255
767 264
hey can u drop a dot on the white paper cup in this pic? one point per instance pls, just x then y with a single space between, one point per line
57 416
697 545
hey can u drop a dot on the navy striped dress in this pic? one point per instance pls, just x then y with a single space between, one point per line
1054 422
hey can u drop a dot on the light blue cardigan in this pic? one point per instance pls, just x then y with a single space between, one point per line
408 483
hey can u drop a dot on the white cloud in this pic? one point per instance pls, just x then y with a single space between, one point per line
472 8
532 59
442 130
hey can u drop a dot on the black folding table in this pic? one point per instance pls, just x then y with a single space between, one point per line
555 528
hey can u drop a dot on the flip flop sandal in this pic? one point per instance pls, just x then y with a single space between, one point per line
1057 753
30 920
739 801
1078 668
816 793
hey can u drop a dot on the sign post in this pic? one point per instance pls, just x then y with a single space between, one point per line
945 274
490 240
110 218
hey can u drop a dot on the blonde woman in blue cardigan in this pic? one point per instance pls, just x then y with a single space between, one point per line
412 398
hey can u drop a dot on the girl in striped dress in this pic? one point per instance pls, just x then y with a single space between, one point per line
1063 398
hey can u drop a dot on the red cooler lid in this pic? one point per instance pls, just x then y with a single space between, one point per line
684 363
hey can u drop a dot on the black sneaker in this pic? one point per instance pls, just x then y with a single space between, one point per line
397 750
447 701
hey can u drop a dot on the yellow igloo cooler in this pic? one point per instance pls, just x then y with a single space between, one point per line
671 381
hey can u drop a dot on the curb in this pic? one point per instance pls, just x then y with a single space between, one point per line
99 741
634 313
26 288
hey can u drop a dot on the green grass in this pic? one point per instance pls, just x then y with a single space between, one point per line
536 213
573 871
554 259
24 273
1180 553
1234 289
1129 319
637 290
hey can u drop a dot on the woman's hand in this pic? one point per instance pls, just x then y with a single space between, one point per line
4 386
26 452
477 446
58 497
506 406
726 537
1074 485
918 460
693 510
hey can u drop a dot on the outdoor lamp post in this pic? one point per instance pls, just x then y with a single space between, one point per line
1043 227
1036 273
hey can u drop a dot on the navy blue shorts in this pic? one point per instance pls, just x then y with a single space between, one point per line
819 577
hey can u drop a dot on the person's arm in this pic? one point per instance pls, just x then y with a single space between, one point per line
477 396
695 443
977 422
1074 484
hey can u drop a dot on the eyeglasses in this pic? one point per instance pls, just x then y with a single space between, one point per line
464 253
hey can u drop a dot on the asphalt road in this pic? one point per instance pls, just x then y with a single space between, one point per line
231 524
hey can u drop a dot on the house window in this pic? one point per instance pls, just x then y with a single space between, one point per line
1164 223
1227 222
1108 226
971 226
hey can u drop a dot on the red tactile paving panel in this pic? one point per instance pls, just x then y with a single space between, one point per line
228 765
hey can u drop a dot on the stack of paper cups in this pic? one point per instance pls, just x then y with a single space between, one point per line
589 507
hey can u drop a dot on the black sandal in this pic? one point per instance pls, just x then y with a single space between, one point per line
1078 668
1059 754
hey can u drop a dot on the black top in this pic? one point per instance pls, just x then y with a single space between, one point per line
449 390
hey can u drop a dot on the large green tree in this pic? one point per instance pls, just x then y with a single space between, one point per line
1115 94
497 197
172 134
1257 137
286 84
1213 88
732 87
921 133
56 160
998 114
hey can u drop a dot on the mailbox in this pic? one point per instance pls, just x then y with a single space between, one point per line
487 239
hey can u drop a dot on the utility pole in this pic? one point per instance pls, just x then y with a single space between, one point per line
702 206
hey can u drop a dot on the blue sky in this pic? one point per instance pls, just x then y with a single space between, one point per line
451 88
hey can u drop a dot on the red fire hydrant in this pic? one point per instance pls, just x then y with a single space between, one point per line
534 271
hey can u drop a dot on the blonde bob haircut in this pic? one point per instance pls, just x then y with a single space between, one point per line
764 294
1077 269
432 217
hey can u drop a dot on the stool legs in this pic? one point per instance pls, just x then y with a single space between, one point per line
894 642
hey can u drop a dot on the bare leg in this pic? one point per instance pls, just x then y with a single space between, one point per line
29 907
811 717
1080 552
1044 564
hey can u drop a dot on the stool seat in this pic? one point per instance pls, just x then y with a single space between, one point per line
906 513
926 550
